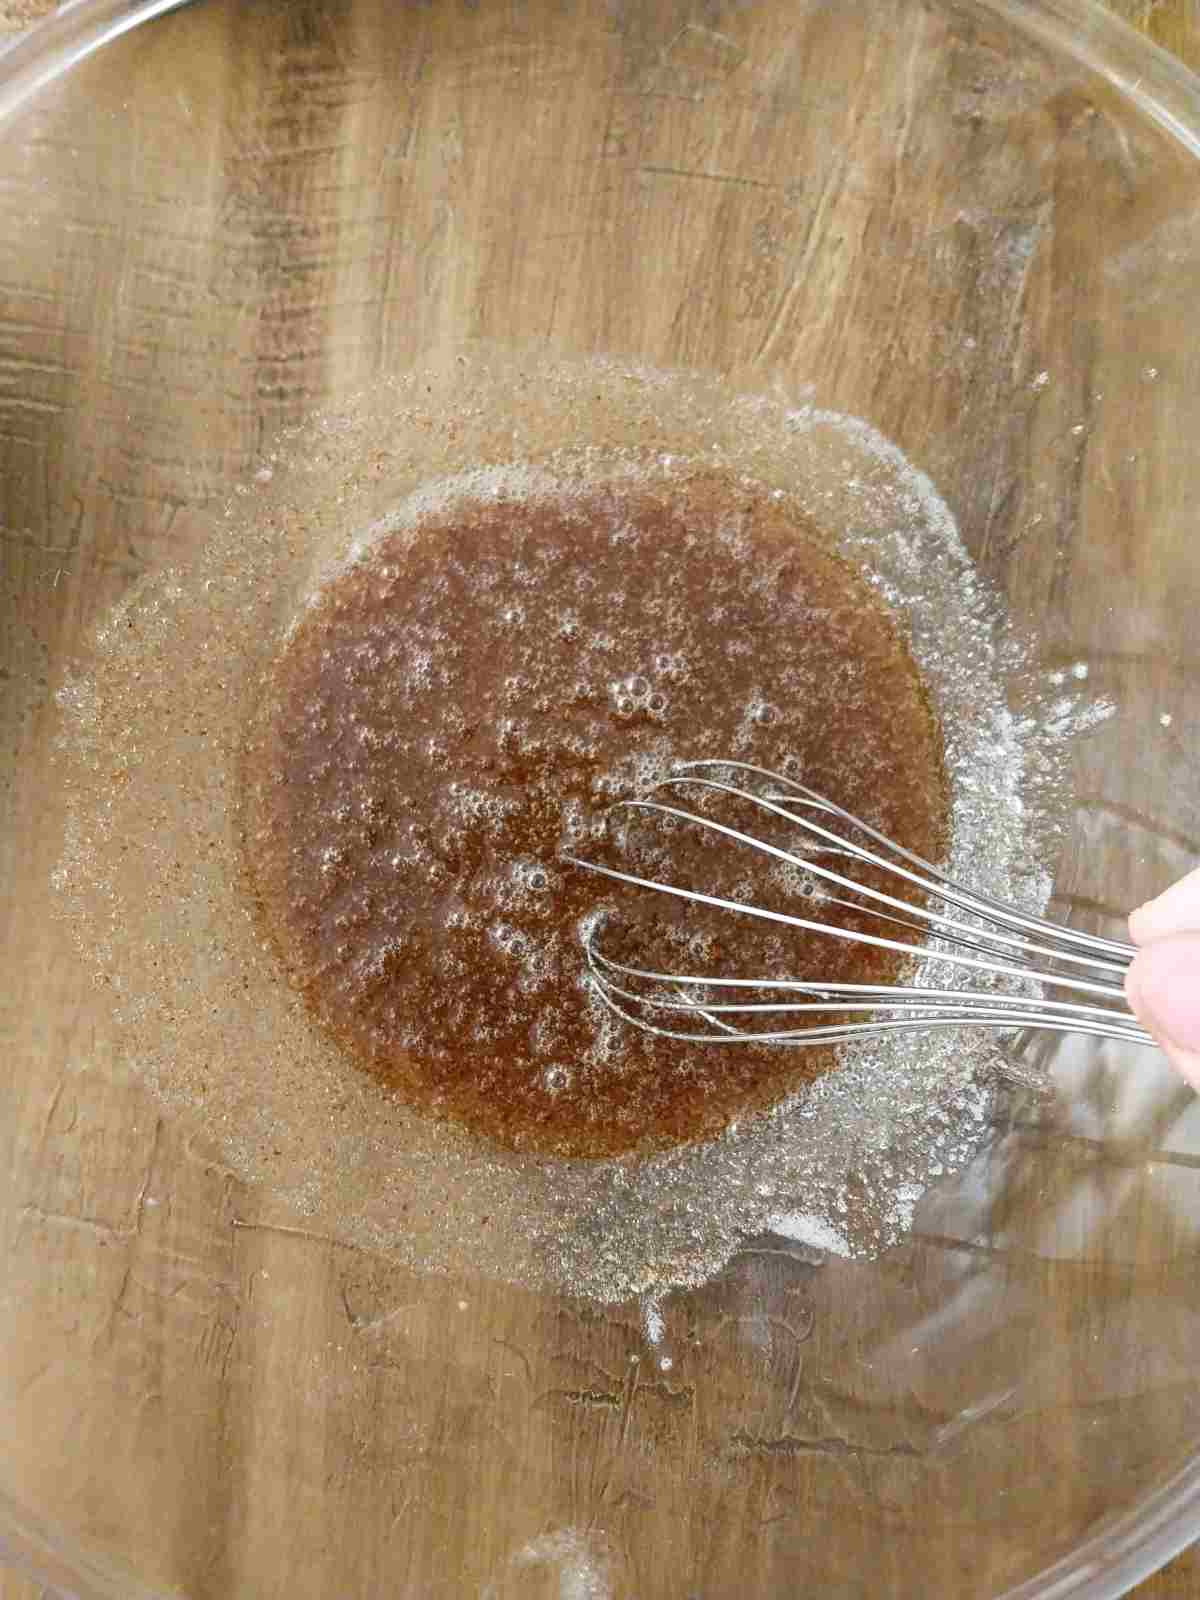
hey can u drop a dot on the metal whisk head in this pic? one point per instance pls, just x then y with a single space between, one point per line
920 913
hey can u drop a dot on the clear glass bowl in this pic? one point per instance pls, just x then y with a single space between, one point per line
976 226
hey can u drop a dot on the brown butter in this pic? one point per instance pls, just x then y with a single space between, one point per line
455 711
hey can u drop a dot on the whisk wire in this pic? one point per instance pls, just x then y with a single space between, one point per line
852 936
934 878
943 889
890 994
1001 942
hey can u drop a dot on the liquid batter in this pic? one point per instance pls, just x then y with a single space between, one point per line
459 709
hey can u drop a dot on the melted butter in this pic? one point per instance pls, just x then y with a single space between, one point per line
457 710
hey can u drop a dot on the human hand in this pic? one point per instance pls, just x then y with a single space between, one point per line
1163 984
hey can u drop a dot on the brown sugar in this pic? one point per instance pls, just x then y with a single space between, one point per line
457 710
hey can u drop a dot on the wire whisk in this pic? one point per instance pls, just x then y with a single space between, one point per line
988 941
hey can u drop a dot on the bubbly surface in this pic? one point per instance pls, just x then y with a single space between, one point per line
455 712
151 883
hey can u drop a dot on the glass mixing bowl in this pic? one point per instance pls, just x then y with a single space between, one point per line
974 225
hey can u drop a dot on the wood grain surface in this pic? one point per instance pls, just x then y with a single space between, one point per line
1175 25
279 1406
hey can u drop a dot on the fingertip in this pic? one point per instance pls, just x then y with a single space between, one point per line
1175 911
1185 1062
1163 990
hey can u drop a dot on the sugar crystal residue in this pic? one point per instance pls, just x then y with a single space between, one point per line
579 1558
154 723
818 1233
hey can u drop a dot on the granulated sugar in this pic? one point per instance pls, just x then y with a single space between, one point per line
818 1233
153 728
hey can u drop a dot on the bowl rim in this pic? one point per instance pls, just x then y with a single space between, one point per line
1130 1545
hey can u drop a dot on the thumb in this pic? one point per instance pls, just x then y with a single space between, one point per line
1163 987
1176 910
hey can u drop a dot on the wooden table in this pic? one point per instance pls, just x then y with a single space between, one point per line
257 1245
1174 24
